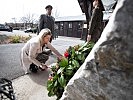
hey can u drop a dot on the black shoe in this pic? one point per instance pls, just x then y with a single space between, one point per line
33 68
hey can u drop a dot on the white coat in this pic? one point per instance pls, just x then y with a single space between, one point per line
30 51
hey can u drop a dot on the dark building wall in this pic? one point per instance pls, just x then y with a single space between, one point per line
61 31
80 29
70 28
65 28
74 29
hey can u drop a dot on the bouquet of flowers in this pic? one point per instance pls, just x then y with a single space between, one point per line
64 70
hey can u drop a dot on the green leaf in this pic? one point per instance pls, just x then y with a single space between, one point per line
51 93
82 57
55 77
85 44
73 52
75 63
55 84
70 67
85 49
79 56
63 62
60 70
69 72
76 52
61 81
49 82
50 86
53 68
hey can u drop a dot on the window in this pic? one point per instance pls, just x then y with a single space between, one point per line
70 25
79 25
61 25
85 25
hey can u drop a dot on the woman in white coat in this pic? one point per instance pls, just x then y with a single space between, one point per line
32 55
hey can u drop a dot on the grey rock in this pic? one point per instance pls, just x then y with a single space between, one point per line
107 73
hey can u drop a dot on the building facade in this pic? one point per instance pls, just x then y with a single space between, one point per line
75 26
71 26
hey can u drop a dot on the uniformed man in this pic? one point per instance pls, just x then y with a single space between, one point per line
47 21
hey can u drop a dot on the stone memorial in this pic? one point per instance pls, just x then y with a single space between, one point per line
107 73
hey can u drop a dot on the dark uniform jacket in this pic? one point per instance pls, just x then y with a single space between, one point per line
95 25
46 21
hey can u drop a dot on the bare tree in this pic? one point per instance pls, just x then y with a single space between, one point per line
56 13
28 20
14 21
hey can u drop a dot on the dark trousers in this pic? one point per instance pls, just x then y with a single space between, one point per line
41 57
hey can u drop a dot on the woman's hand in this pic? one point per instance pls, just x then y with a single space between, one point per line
43 67
88 38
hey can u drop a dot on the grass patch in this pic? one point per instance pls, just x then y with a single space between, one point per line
14 39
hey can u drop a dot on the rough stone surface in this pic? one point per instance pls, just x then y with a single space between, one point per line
107 73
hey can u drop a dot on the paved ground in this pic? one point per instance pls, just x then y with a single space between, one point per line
31 86
10 61
16 32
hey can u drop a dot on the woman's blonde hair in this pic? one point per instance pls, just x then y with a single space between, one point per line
43 33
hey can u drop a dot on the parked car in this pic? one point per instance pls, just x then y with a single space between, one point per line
32 30
5 28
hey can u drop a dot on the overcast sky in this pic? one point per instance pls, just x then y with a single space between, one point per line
18 8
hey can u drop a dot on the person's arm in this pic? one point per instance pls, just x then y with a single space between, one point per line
88 38
93 21
32 54
53 25
53 49
41 23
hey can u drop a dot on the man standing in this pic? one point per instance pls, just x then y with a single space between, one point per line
47 21
96 24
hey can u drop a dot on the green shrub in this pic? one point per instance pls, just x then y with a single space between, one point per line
15 39
19 39
64 70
